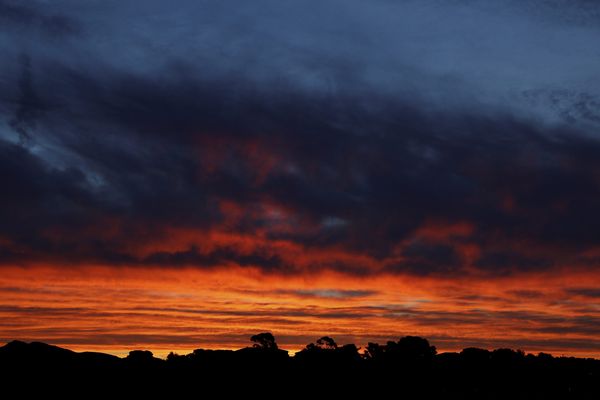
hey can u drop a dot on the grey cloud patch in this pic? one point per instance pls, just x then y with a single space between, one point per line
332 313
585 292
569 105
330 293
526 294
264 259
425 258
40 310
503 261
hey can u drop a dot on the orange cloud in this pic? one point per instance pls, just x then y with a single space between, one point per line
115 310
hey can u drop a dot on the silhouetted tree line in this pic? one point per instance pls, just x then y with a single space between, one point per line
405 368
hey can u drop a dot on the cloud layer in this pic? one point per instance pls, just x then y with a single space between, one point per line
291 145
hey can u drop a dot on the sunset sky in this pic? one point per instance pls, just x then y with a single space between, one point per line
181 175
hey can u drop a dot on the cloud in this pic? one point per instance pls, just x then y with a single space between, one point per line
37 15
266 136
584 292
329 293
515 182
28 105
526 294
221 256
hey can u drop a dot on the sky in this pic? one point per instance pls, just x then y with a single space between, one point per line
185 175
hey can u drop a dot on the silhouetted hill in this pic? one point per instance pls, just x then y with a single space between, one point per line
408 368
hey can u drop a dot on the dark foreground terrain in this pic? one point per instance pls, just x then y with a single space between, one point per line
409 368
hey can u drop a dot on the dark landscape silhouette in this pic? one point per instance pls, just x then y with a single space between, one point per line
407 368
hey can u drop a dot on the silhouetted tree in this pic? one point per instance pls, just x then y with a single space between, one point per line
326 343
140 356
507 356
374 351
264 341
318 354
410 349
545 357
348 353
326 354
416 347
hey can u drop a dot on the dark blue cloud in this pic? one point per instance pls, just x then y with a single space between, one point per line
20 17
364 128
